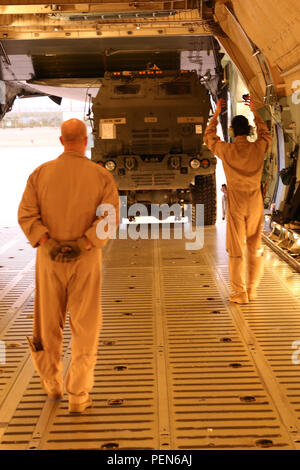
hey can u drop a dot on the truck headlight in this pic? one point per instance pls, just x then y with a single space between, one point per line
110 165
195 163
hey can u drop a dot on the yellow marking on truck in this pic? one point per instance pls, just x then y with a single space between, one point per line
113 121
184 119
150 119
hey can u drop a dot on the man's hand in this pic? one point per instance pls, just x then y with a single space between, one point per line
220 104
249 102
65 251
84 243
89 244
44 238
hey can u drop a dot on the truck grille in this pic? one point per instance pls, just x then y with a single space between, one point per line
150 134
142 180
156 179
148 148
147 141
163 178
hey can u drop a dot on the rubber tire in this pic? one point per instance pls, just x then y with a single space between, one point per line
204 192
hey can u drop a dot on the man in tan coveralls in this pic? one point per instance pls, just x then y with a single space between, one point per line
243 165
58 215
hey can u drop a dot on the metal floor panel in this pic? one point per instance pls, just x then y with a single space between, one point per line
179 367
275 327
218 400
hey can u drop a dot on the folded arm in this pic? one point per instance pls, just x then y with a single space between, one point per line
107 216
29 216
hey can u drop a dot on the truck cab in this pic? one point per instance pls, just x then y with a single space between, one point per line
149 128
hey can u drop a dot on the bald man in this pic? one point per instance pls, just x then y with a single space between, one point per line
58 215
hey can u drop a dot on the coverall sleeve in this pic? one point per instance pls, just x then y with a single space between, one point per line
263 135
29 216
212 140
109 196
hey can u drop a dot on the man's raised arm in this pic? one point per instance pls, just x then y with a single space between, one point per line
263 134
211 139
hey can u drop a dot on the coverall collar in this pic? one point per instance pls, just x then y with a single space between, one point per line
73 153
240 138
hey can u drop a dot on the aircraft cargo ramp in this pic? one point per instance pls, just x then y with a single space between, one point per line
179 367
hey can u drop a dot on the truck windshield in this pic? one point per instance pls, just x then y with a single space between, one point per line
127 89
176 88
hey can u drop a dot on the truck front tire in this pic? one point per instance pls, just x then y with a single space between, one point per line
204 192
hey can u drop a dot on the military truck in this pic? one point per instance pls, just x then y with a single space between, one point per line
149 128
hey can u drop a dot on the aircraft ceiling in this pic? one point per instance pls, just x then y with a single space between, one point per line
79 39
